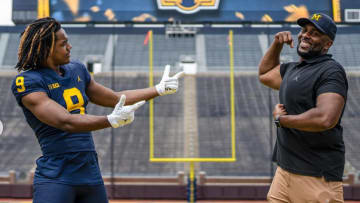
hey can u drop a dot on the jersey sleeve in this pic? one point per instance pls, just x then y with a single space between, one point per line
333 81
24 84
87 76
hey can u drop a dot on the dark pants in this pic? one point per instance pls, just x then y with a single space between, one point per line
61 193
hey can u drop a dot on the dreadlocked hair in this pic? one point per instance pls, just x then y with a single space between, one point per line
37 43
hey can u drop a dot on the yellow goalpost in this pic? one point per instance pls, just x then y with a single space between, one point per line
192 179
232 113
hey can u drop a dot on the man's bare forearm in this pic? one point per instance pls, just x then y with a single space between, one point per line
311 121
271 58
84 123
133 96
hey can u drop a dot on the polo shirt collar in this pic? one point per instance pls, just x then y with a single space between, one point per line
317 59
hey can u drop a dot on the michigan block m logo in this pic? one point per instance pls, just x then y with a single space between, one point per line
188 6
316 17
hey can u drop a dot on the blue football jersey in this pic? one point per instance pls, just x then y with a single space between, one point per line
60 148
68 91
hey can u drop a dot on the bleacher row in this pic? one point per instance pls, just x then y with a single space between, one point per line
254 132
211 51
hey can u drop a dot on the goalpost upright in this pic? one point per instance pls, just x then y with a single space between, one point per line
193 160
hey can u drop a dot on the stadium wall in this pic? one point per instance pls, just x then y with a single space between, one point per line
213 192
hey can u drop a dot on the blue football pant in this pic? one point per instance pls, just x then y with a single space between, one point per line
60 193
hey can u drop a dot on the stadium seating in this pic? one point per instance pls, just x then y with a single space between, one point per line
131 54
252 125
88 45
247 51
10 56
345 49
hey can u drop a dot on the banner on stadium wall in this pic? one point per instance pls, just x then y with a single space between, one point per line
185 10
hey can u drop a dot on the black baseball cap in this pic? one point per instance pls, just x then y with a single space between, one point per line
322 22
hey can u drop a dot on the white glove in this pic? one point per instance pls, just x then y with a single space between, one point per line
168 85
123 115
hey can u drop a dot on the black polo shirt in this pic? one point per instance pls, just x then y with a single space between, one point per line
311 153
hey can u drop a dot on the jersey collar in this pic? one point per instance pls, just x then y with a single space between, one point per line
54 74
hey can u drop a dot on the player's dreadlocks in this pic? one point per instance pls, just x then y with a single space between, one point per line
37 43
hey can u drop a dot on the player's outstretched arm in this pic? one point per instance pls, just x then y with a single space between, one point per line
269 67
55 115
104 96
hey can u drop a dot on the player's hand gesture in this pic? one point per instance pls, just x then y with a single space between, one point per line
284 38
123 115
168 85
